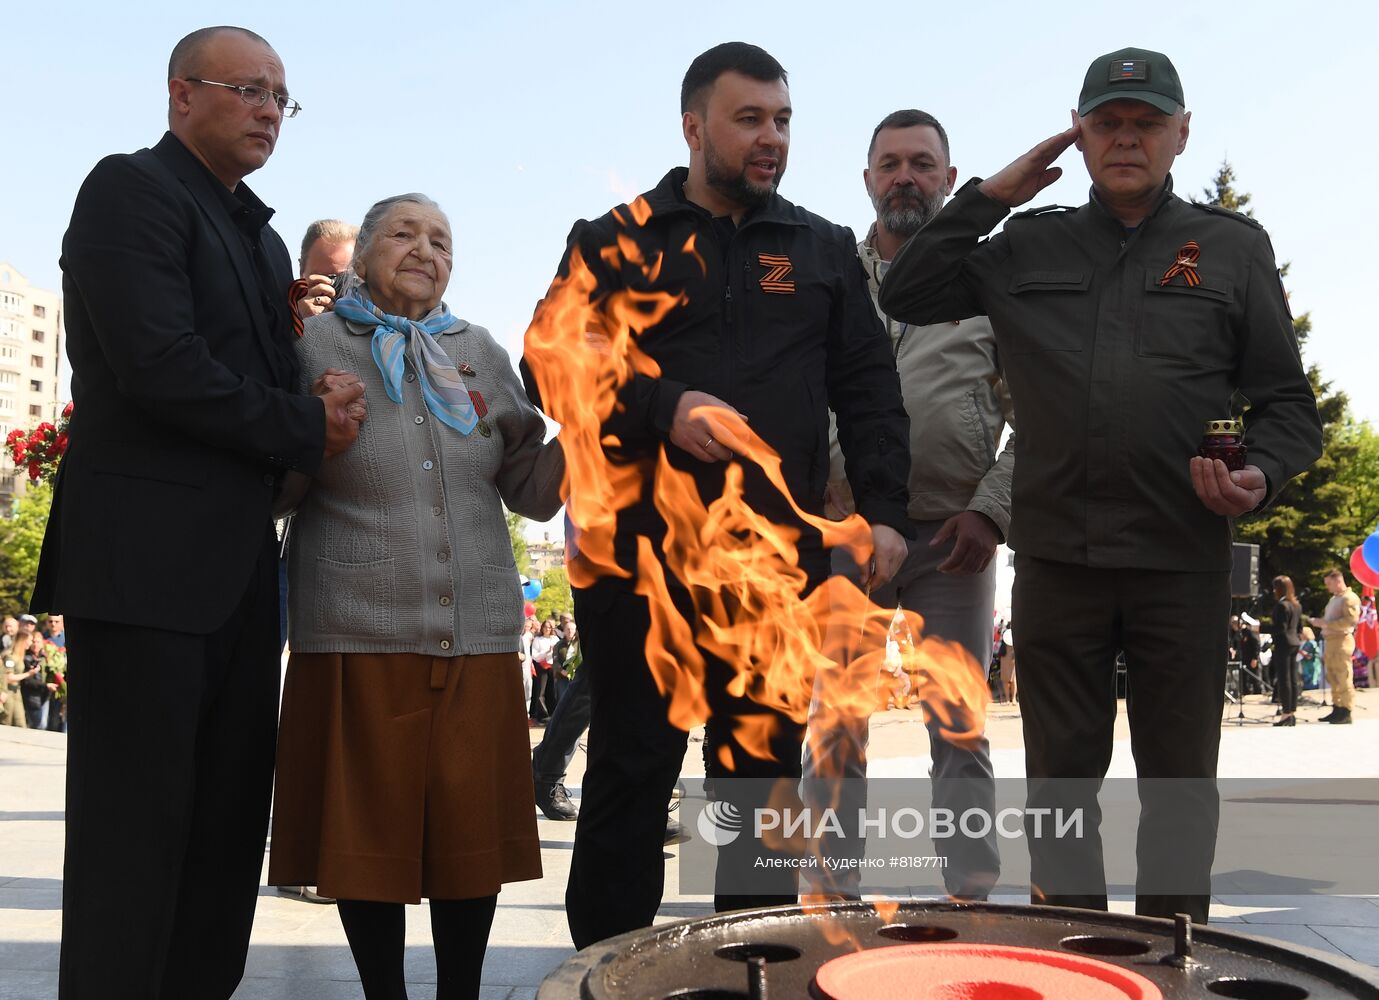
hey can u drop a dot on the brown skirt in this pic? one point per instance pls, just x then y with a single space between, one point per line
402 776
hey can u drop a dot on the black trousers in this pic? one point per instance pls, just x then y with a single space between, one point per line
551 757
1285 669
542 695
1070 621
617 870
169 776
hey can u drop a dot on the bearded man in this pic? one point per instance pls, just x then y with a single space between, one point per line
775 325
959 509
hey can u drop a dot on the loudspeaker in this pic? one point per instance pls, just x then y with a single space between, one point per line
1244 570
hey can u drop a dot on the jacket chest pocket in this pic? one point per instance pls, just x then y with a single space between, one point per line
782 308
1187 324
1051 312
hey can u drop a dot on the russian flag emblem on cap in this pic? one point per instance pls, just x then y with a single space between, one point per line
1130 69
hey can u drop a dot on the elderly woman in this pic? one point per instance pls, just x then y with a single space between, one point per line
403 765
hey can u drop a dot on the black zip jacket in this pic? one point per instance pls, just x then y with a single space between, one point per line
777 322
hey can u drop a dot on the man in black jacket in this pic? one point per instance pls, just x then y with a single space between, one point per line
774 323
185 421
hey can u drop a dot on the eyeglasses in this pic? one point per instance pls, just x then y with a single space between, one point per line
256 96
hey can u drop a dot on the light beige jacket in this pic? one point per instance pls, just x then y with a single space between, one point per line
959 407
1341 616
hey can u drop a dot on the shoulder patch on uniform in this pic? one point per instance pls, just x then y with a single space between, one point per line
1284 289
1225 213
1030 213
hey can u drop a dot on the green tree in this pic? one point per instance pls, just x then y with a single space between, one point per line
555 595
1360 478
517 535
1310 525
1222 192
21 541
1312 520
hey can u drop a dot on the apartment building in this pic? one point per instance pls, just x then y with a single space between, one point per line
31 350
544 555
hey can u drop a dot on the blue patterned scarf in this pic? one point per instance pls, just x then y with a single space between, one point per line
441 386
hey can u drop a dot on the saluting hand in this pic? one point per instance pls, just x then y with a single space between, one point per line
1031 173
1227 493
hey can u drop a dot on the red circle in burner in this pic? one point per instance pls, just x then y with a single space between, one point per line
977 972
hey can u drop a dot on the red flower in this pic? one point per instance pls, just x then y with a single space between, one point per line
39 450
67 410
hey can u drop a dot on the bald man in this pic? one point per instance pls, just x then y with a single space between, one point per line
160 547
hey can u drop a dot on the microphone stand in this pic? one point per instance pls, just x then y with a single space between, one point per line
1238 698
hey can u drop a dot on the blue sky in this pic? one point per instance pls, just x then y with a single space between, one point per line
522 118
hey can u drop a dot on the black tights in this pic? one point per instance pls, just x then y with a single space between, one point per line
459 928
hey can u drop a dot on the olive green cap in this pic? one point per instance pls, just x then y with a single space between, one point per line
1132 75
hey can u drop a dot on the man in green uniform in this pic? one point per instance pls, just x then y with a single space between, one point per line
1123 327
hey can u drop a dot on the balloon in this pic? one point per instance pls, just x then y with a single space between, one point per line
1371 551
1361 569
531 590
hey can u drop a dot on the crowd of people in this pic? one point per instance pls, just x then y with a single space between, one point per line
34 695
883 373
549 659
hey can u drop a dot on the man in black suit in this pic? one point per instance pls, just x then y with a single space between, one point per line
160 547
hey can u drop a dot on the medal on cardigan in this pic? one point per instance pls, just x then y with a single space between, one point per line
1186 265
481 408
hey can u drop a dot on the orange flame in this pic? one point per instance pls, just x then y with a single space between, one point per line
741 570
886 909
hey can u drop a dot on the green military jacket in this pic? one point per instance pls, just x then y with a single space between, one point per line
1114 374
